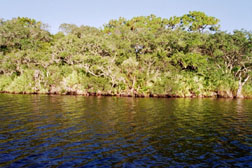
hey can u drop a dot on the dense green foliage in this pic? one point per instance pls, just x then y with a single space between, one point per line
183 56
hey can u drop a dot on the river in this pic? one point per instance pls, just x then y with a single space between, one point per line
78 131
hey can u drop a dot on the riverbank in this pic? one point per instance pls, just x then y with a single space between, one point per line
214 95
141 57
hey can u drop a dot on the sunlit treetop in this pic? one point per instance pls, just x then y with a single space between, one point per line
193 21
199 21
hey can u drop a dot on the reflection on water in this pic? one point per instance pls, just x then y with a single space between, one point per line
76 131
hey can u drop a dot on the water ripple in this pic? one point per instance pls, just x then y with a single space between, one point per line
76 131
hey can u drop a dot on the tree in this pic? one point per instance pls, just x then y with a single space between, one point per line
233 54
80 32
23 33
178 56
199 21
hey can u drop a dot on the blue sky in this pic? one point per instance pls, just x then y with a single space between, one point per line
233 14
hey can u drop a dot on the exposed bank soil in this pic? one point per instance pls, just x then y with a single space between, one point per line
218 94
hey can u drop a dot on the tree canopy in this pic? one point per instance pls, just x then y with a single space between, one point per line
181 56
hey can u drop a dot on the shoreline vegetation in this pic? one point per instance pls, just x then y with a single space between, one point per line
146 56
87 94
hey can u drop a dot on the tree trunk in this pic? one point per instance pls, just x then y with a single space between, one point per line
133 84
241 84
239 91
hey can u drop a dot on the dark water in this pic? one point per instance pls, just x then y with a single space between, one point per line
69 131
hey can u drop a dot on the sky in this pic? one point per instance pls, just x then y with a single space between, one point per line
233 14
